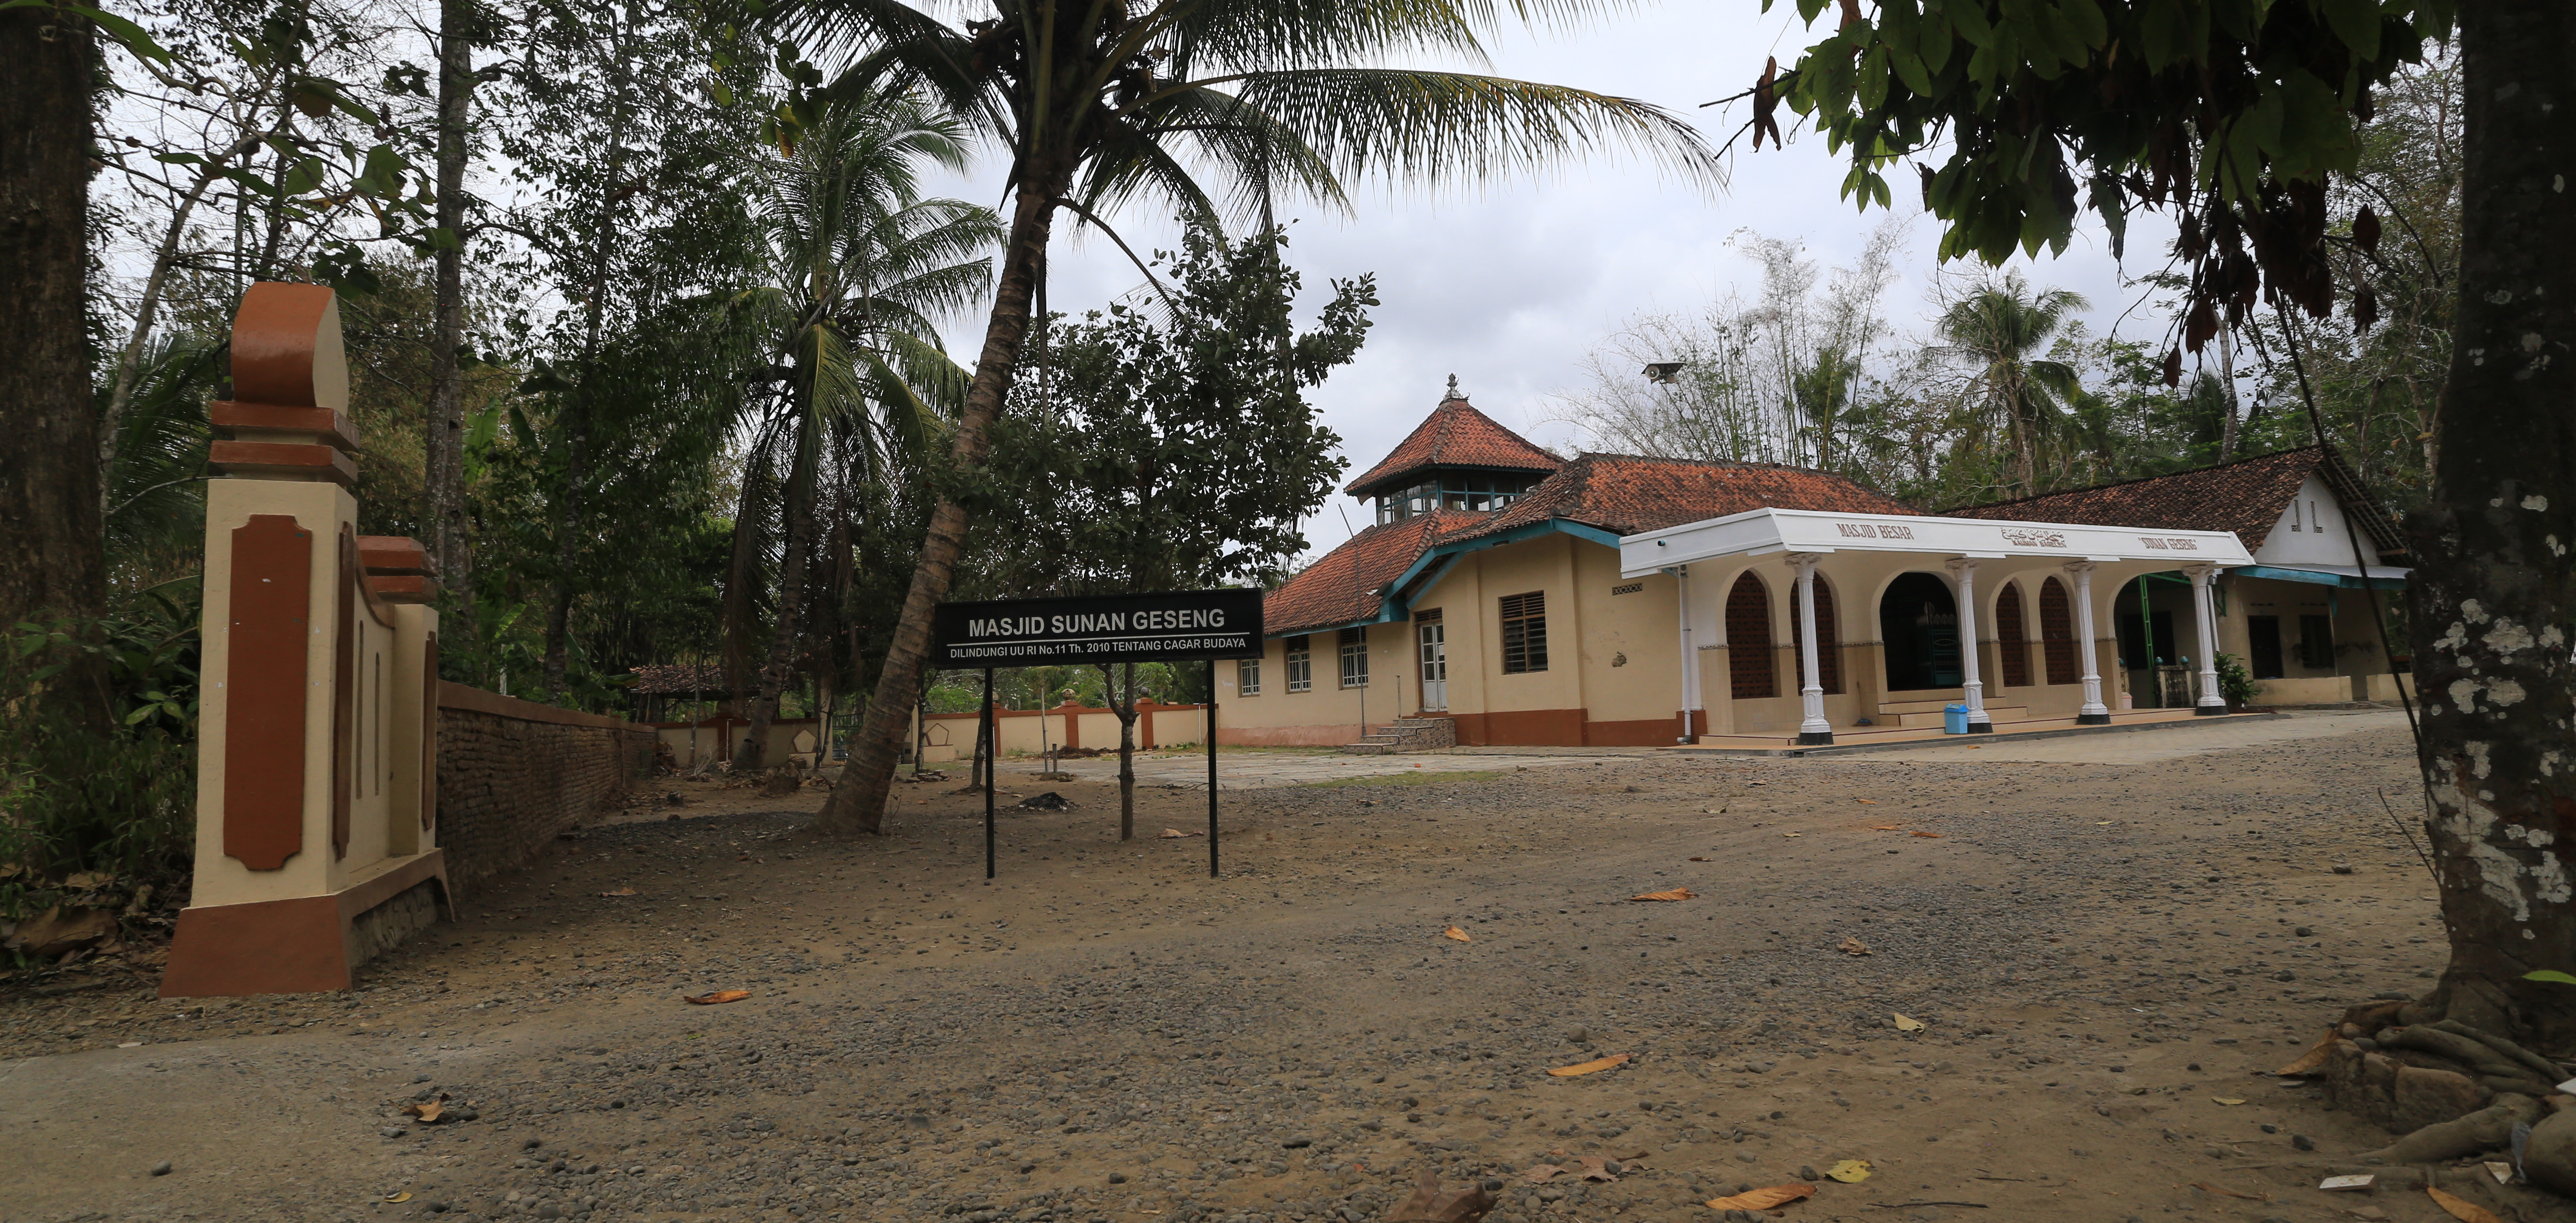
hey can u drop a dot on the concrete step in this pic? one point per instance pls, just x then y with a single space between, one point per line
1934 718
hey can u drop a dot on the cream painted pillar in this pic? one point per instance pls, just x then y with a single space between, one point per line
1811 690
1689 657
1965 570
2094 712
2205 623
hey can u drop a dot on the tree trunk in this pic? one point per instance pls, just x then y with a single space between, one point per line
577 429
2227 383
858 802
1126 711
2492 586
781 662
51 551
449 551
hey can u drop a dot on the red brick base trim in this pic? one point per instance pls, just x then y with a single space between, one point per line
298 946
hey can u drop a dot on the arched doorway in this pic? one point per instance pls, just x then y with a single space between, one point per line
1752 674
1919 622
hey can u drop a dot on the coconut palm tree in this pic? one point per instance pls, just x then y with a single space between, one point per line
855 270
1209 107
1998 329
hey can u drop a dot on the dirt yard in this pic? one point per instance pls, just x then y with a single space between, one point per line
2106 960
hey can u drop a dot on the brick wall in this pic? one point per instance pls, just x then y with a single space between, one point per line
514 774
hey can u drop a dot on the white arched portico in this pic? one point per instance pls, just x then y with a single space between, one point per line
1862 554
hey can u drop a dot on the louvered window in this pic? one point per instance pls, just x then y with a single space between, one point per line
1524 633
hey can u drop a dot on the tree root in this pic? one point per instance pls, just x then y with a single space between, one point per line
2549 1072
2487 1129
2490 1066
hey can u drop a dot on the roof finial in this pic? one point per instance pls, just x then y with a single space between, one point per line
1453 391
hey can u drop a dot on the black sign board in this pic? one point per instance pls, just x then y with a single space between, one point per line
1189 624
1171 627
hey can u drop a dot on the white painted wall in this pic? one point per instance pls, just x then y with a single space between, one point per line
2312 531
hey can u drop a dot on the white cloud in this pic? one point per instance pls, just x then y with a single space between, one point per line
1510 285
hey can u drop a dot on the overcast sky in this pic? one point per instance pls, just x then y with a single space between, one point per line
1509 287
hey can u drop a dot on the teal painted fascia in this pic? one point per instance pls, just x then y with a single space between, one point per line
2318 579
1393 610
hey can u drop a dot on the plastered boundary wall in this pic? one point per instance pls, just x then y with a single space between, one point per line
513 775
951 736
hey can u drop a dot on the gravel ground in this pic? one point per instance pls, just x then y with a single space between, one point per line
2105 959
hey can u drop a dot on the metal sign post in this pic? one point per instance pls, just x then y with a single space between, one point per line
1211 734
1172 626
992 757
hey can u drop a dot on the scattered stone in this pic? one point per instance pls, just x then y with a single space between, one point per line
2302 1142
161 1169
2343 868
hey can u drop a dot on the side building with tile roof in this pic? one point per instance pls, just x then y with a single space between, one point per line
1489 592
2301 617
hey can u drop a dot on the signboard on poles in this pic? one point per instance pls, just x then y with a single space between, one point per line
1171 627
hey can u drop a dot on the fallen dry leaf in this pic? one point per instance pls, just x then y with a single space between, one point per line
1540 1174
427 1110
1597 1168
1174 834
1454 932
2461 1208
722 995
1757 783
1594 1066
1764 1199
2229 1101
1850 1171
1885 827
1670 894
1790 834
403 1196
1702 859
2501 1171
2353 1183
1920 833
1867 802
2223 1192
1853 946
620 892
1907 1023
2312 1061
1430 1204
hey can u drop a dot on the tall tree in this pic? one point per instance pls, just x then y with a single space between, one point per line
1098 104
2234 114
450 548
2000 329
51 558
856 268
1173 446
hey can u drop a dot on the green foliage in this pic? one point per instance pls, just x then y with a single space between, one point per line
1169 445
2236 683
85 811
2232 112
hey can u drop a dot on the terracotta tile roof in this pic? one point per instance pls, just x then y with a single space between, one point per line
1454 435
2246 496
1626 494
1346 584
1623 494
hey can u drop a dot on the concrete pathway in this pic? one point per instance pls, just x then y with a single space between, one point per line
1243 768
2163 743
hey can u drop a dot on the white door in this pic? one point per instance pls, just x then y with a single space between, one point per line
1435 665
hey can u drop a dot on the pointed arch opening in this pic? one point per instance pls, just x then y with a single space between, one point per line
2057 633
1751 673
2012 636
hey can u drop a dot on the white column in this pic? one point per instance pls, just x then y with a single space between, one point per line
1690 657
1965 570
2205 622
2094 712
1815 729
